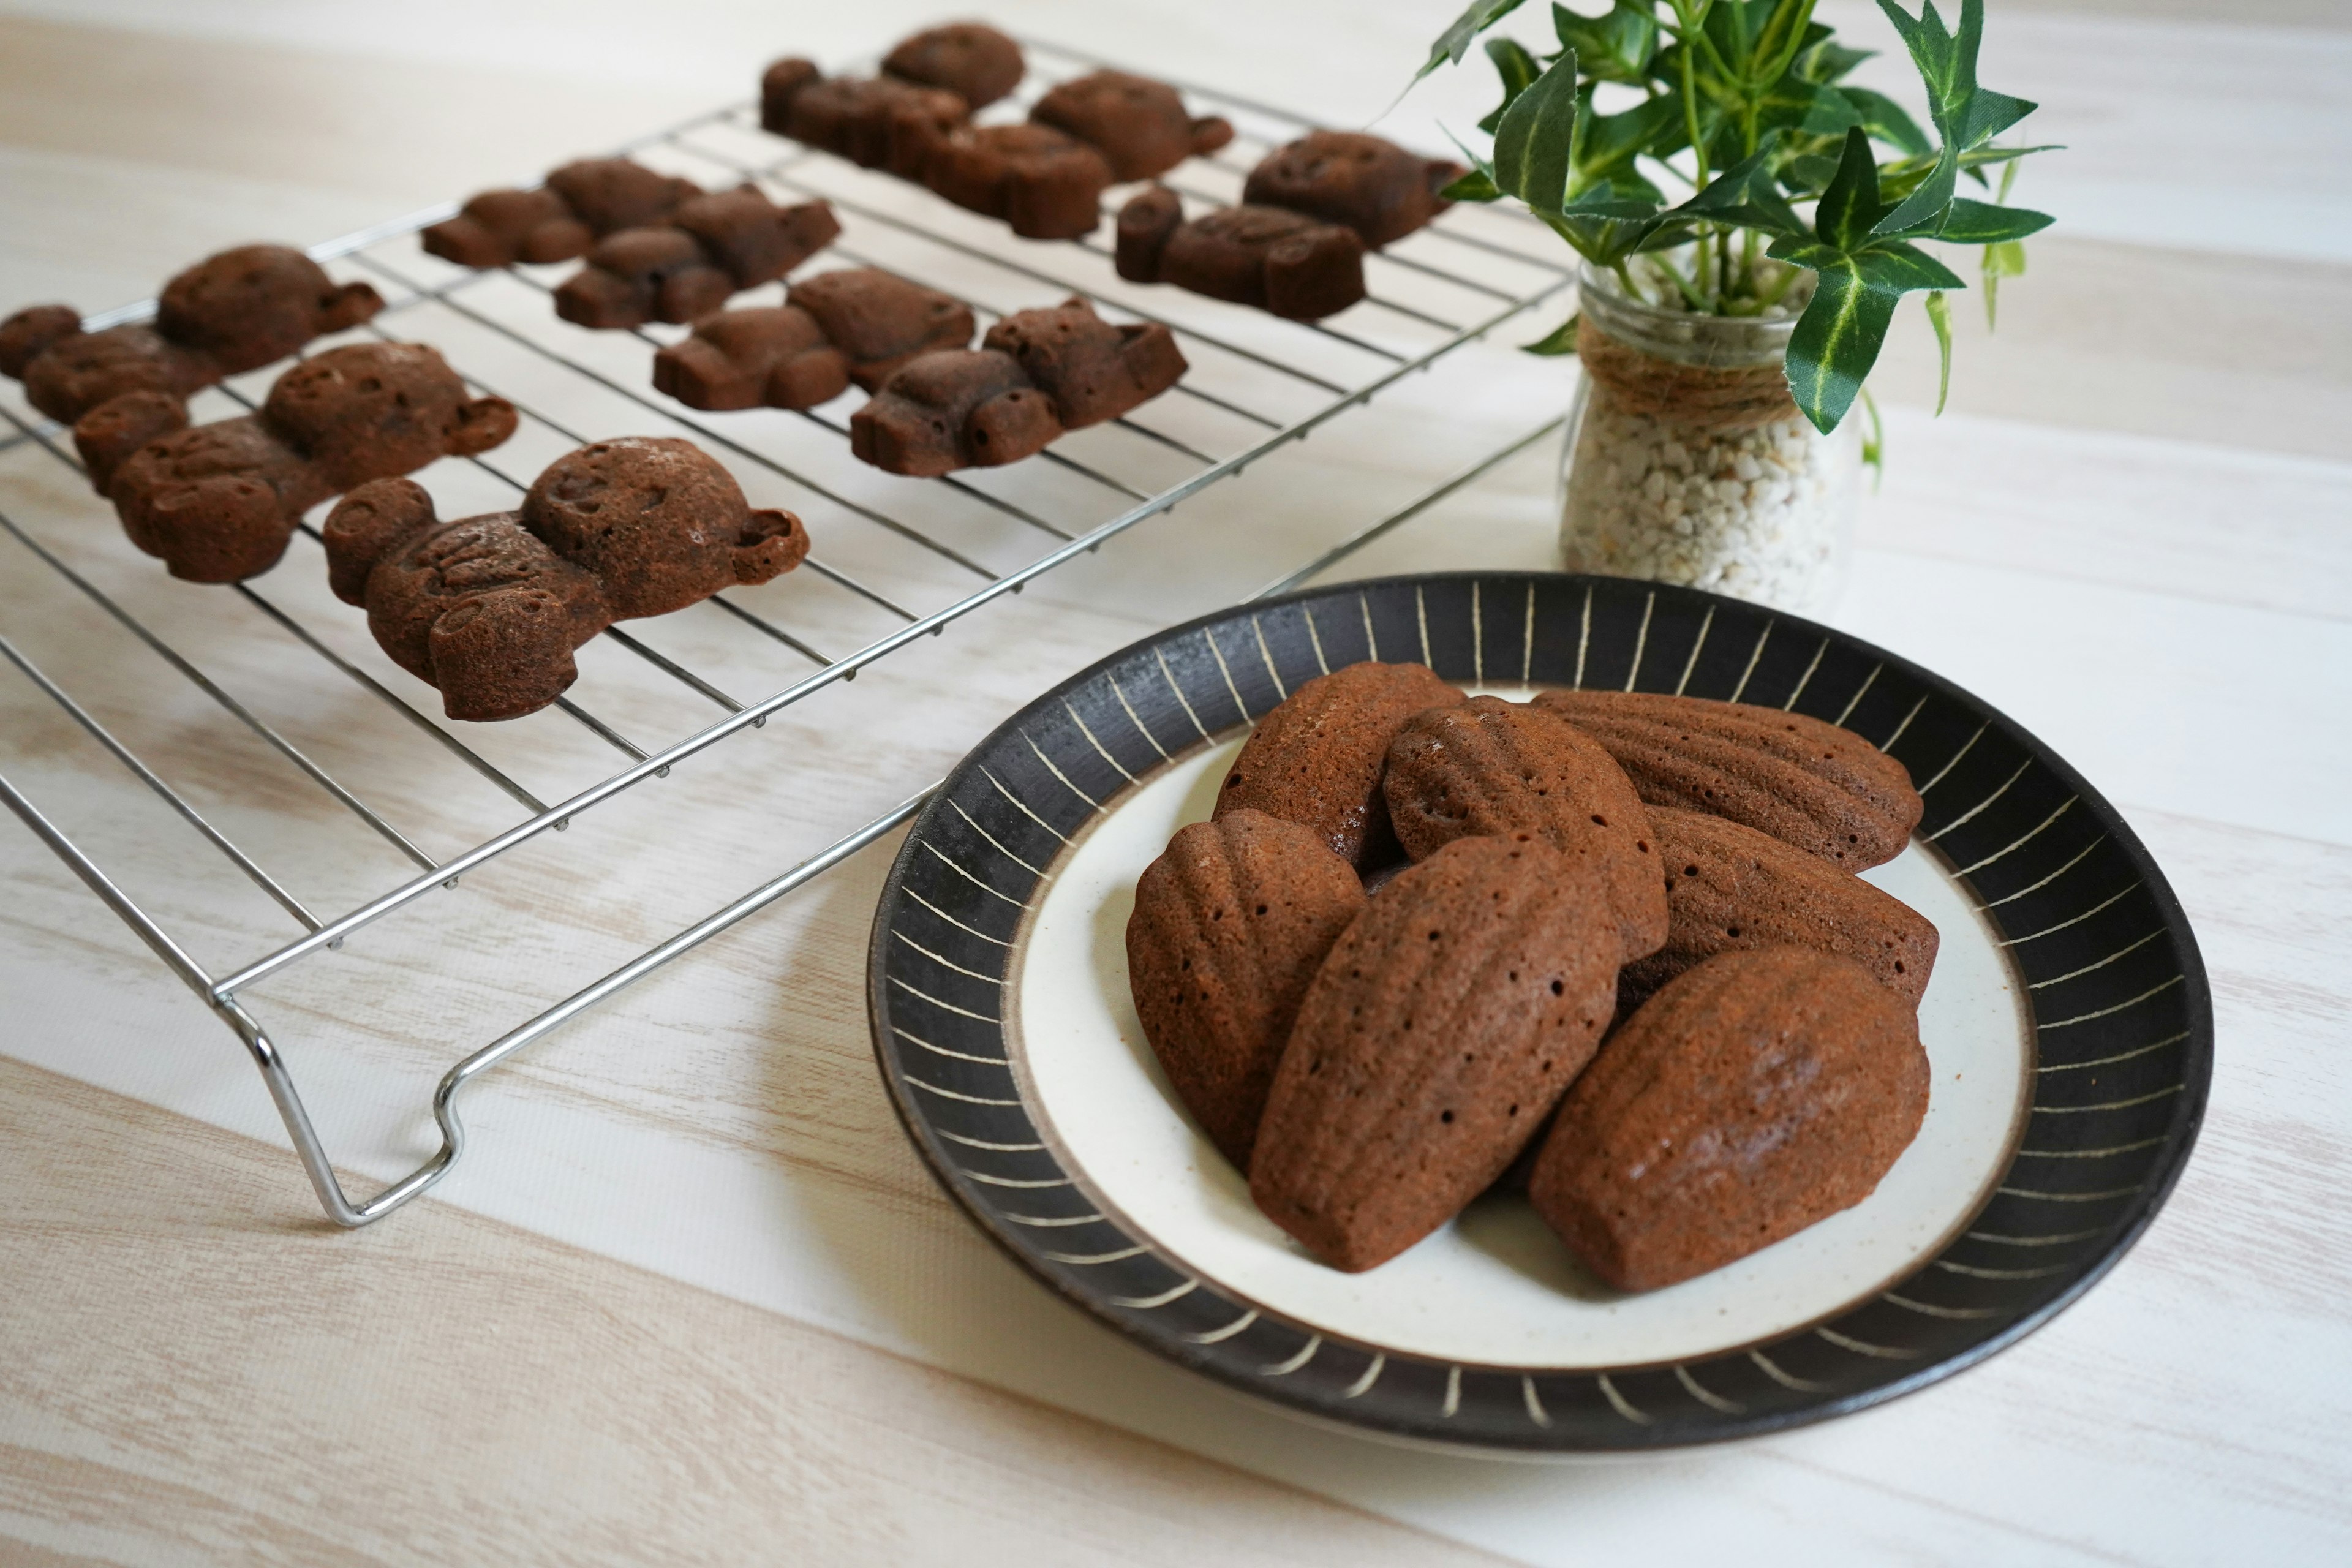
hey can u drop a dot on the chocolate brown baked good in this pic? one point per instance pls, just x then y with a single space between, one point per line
579 203
1490 767
771 354
1044 182
880 122
1375 188
958 408
1755 1094
1280 261
970 60
1229 927
218 503
1443 1026
1318 759
712 247
879 320
488 609
229 313
1094 369
1823 789
1141 125
1729 887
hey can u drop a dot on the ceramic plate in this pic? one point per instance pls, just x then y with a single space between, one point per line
2068 1027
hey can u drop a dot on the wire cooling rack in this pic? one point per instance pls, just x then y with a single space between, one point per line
896 562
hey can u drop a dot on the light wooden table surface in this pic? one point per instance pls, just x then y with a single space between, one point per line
692 1300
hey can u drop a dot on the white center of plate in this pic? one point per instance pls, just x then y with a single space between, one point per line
1494 1286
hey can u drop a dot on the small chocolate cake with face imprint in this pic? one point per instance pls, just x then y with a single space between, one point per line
488 609
218 503
1375 188
1319 758
1729 887
1282 262
1094 369
1044 183
879 320
1141 125
1756 1094
1229 927
958 408
853 324
579 203
229 313
970 60
1435 1038
1491 767
878 122
1809 783
711 248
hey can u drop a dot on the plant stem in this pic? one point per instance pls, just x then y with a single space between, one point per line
1690 295
1625 281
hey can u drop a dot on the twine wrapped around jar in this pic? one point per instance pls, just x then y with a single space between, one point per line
1705 398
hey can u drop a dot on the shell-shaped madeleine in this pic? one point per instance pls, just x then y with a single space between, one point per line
1755 1095
1825 790
1435 1038
1229 925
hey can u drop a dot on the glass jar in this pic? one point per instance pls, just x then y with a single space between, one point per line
1686 461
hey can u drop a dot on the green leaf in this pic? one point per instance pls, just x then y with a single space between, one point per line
1824 60
1982 223
1745 196
1519 70
1850 207
1837 340
1454 42
1607 144
1560 339
1965 115
1886 121
1474 187
1939 316
1618 47
2006 260
1534 144
1807 175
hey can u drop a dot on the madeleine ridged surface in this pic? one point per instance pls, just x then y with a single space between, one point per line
1489 767
1229 925
1437 1035
1729 887
1755 1095
1317 760
1825 790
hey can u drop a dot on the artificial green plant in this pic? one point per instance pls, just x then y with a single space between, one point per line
1744 105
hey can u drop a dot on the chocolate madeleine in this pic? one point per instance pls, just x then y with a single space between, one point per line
1375 188
1141 125
1229 925
1445 1024
1492 767
1755 1095
1318 759
975 62
1729 887
1809 783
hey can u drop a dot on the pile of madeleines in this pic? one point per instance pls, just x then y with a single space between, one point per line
1611 945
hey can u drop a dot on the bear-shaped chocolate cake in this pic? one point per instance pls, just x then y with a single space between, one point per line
878 122
1375 188
1044 182
1140 125
711 248
1278 260
488 609
579 203
853 324
229 313
1037 373
218 503
975 62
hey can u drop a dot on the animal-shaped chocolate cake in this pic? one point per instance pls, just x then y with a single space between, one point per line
711 248
488 609
1035 375
1276 260
975 62
854 324
878 122
219 502
1375 188
1140 126
229 313
1044 184
579 203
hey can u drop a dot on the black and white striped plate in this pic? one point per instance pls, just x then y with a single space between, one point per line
2068 1025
